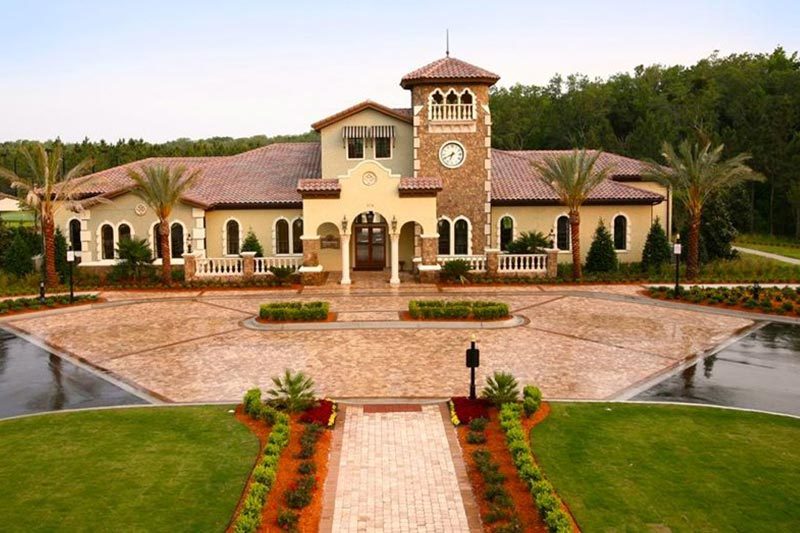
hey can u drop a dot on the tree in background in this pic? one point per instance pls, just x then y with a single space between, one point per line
696 172
17 257
48 189
657 249
161 188
573 177
251 244
602 257
61 255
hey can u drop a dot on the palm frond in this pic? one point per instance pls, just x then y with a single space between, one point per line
573 176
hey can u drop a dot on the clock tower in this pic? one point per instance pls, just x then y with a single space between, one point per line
452 141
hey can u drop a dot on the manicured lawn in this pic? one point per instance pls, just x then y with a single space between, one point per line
631 467
148 469
787 251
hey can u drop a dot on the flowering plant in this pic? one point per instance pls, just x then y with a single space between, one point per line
323 413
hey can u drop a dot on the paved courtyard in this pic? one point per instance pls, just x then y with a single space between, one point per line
192 346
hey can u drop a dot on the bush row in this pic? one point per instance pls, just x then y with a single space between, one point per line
300 494
544 495
18 304
500 502
264 474
294 311
776 300
457 309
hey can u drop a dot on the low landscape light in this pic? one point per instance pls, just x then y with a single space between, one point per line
676 250
71 261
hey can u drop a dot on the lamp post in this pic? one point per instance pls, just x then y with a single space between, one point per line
676 251
551 238
473 362
71 261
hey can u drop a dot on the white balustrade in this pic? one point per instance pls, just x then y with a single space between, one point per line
263 264
477 263
218 267
452 112
522 263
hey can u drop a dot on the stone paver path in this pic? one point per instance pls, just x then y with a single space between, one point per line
396 474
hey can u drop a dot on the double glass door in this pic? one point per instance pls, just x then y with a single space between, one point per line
370 246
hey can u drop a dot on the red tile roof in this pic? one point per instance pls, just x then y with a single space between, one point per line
448 69
420 184
515 180
312 187
403 114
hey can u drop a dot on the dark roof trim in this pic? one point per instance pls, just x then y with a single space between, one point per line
631 201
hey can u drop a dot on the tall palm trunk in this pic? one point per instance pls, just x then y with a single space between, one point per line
575 231
693 259
166 270
49 252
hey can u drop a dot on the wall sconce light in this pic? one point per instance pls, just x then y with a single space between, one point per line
394 224
344 224
189 243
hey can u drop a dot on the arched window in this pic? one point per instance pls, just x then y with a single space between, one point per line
176 240
506 232
156 240
452 97
75 234
232 236
282 237
297 232
461 237
436 97
107 238
124 232
620 232
562 233
444 237
466 97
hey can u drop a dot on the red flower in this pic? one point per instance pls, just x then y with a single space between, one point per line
320 413
468 410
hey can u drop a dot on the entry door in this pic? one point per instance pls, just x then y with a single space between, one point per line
370 247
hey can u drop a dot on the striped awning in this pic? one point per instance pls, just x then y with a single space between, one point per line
383 131
356 132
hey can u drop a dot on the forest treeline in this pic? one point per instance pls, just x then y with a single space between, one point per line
749 102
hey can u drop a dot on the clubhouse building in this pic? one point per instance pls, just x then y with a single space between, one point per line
387 189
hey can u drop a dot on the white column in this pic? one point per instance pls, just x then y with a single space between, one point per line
345 246
395 279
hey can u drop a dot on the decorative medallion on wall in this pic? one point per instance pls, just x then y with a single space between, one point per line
369 179
140 209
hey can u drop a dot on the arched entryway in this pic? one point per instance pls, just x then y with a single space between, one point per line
370 239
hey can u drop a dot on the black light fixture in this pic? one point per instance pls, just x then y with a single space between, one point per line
394 224
189 243
344 224
370 217
473 362
676 250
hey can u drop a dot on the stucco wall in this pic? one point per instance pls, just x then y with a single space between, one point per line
663 210
543 219
261 221
334 151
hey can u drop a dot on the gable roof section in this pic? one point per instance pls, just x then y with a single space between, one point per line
400 114
516 181
448 69
264 177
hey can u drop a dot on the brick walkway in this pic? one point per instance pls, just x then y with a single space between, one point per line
397 473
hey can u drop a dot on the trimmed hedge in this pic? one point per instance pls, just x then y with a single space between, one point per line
19 304
441 309
775 300
547 501
249 519
294 311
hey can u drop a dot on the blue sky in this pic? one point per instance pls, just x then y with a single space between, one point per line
162 70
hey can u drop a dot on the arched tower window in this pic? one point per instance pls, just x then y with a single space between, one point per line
620 232
506 232
75 234
176 240
461 237
232 237
562 233
297 233
444 237
107 241
282 237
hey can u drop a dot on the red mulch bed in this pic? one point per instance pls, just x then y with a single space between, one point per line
330 318
467 410
524 506
405 315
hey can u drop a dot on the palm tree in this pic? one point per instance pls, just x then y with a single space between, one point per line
48 189
574 177
696 172
161 187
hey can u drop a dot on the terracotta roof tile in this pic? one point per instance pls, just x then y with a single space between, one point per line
318 185
448 69
403 114
514 179
420 184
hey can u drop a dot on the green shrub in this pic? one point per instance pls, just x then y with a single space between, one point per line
287 520
441 309
301 493
476 437
18 259
251 244
293 391
657 250
478 424
282 274
455 270
529 242
601 257
294 311
61 255
307 467
501 388
252 403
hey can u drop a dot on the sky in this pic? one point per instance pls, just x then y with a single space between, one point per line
160 70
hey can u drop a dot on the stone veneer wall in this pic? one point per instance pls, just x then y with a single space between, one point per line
467 189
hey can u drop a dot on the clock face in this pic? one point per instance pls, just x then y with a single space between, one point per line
452 154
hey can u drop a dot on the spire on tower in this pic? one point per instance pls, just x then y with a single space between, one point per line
447 40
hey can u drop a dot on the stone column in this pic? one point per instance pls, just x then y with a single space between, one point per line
429 269
189 267
492 262
552 263
395 279
311 271
248 264
345 245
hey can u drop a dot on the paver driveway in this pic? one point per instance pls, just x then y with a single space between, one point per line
193 347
